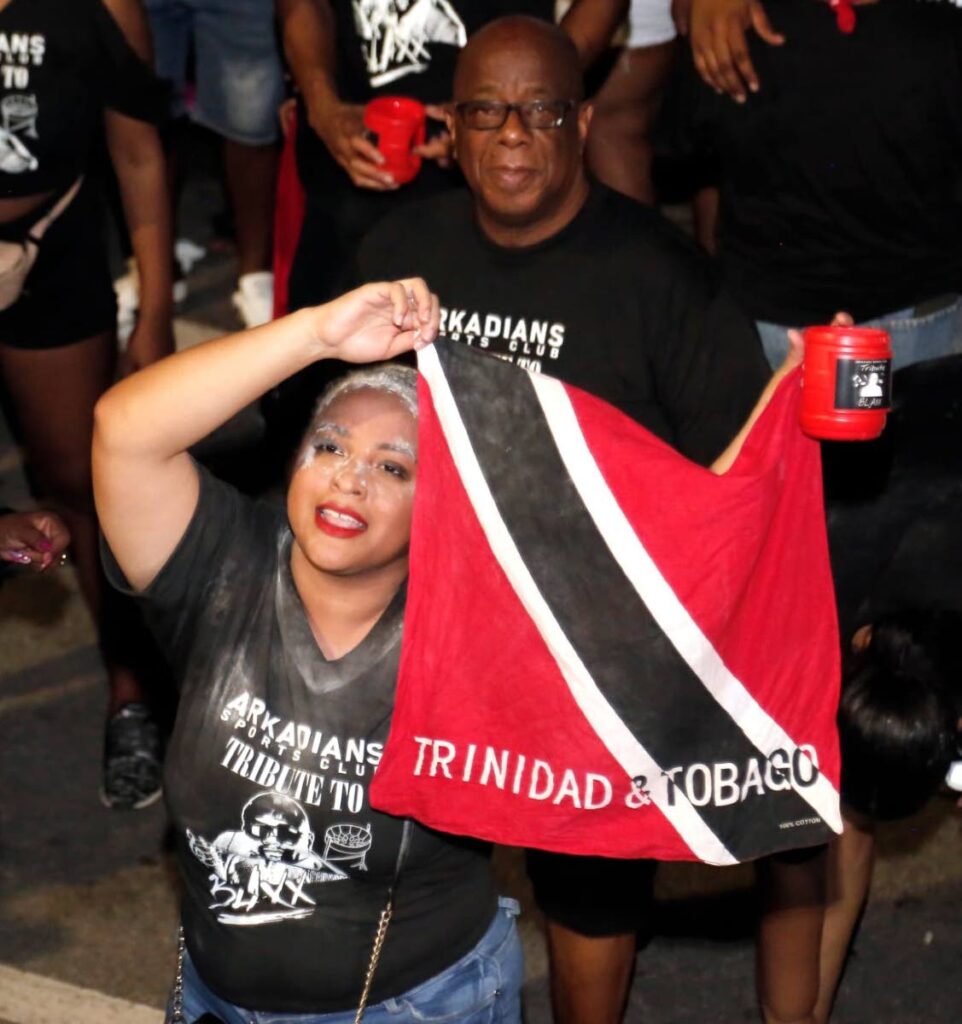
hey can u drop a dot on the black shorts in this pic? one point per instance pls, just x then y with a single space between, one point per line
68 295
594 896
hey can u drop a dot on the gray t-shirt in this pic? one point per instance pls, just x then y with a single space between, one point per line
286 866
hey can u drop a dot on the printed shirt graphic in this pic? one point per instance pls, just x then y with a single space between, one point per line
397 35
62 66
528 342
659 668
21 55
304 821
262 872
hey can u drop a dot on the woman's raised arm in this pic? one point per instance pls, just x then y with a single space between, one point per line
145 483
793 358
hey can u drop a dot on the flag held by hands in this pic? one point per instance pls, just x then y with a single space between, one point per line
608 649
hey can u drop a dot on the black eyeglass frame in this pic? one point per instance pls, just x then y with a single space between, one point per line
522 109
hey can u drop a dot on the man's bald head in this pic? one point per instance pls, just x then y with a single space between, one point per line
519 125
522 35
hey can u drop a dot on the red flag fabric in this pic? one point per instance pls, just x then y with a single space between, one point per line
608 649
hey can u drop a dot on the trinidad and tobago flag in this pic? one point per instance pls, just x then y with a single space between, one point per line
607 648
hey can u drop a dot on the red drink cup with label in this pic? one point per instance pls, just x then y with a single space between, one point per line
398 125
846 383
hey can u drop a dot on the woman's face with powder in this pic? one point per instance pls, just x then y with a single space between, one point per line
352 494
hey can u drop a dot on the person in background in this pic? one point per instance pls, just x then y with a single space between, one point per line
342 55
239 87
539 265
626 105
85 70
897 562
840 166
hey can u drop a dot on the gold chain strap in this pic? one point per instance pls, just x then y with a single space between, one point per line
177 1003
385 919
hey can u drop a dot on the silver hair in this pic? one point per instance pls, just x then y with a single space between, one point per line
401 381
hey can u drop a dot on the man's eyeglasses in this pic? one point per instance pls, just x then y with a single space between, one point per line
489 115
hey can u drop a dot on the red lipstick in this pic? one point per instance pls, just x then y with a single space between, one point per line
336 521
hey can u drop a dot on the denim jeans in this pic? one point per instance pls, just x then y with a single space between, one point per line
237 68
483 987
914 338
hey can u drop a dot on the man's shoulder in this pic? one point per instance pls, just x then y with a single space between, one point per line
637 223
642 240
417 230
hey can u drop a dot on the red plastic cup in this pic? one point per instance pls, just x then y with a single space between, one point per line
846 383
398 124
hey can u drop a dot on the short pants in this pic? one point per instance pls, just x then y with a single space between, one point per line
483 987
67 296
593 896
238 73
650 23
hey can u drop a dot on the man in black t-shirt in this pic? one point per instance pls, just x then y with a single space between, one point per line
342 54
538 265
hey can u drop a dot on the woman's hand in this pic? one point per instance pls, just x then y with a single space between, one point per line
796 347
37 539
796 352
378 321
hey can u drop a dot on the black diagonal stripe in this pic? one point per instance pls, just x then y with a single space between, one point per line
649 685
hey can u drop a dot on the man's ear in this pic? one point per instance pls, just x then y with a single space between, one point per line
585 112
450 122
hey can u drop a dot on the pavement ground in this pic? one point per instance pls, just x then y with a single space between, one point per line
88 896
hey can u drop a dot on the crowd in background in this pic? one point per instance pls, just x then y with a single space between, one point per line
820 148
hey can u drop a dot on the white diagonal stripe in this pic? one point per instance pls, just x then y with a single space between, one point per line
612 732
653 589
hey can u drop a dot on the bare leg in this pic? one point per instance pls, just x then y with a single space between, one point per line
251 174
589 976
789 938
619 147
850 862
53 393
704 209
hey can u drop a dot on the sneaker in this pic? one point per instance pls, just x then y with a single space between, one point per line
127 287
127 290
187 253
254 298
132 759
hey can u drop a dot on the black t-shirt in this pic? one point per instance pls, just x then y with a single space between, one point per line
618 303
61 64
399 47
286 866
841 181
411 46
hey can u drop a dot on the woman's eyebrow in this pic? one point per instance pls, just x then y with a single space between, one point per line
402 447
334 428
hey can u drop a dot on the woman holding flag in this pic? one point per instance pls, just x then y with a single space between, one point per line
284 632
